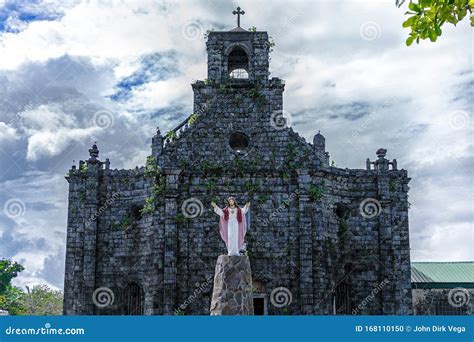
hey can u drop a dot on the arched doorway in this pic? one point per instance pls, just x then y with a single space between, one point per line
133 299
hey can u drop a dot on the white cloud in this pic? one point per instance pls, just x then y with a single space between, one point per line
38 234
7 132
50 131
332 74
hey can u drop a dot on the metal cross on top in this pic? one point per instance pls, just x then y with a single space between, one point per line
238 12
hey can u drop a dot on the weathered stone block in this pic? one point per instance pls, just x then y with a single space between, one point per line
232 294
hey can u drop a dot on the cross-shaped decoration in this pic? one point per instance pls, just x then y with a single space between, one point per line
238 12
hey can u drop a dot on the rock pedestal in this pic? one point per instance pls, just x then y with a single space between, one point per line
232 294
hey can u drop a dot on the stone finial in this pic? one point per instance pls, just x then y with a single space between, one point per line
94 153
157 143
381 153
319 138
319 146
381 164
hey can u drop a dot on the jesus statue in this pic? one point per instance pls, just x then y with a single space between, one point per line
232 225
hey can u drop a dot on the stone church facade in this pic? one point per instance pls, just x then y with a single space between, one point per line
322 240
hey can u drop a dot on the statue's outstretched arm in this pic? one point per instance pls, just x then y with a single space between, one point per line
218 210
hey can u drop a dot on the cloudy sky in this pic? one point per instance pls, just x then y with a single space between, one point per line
112 71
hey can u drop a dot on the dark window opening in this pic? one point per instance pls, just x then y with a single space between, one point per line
342 210
259 306
136 211
133 299
238 141
342 300
239 62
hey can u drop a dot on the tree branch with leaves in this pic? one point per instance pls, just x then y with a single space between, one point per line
426 17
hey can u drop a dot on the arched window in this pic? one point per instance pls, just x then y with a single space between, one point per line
238 63
133 299
239 73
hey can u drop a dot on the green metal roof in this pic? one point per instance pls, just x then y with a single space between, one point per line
460 272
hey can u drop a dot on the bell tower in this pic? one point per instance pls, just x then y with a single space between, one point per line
238 54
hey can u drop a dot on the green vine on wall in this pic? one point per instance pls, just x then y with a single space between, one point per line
315 192
84 168
152 170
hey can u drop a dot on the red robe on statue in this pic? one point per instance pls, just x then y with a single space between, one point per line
224 227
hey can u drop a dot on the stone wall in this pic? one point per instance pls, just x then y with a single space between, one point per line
313 227
443 301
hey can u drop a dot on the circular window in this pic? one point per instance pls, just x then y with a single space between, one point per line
239 142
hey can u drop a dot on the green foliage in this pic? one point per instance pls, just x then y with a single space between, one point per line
315 192
290 157
272 44
183 164
255 93
211 185
342 233
8 271
262 199
193 118
252 29
333 163
84 168
249 241
82 196
180 218
426 17
208 168
11 299
250 188
10 296
42 301
392 186
125 224
159 186
151 168
149 206
170 135
238 163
